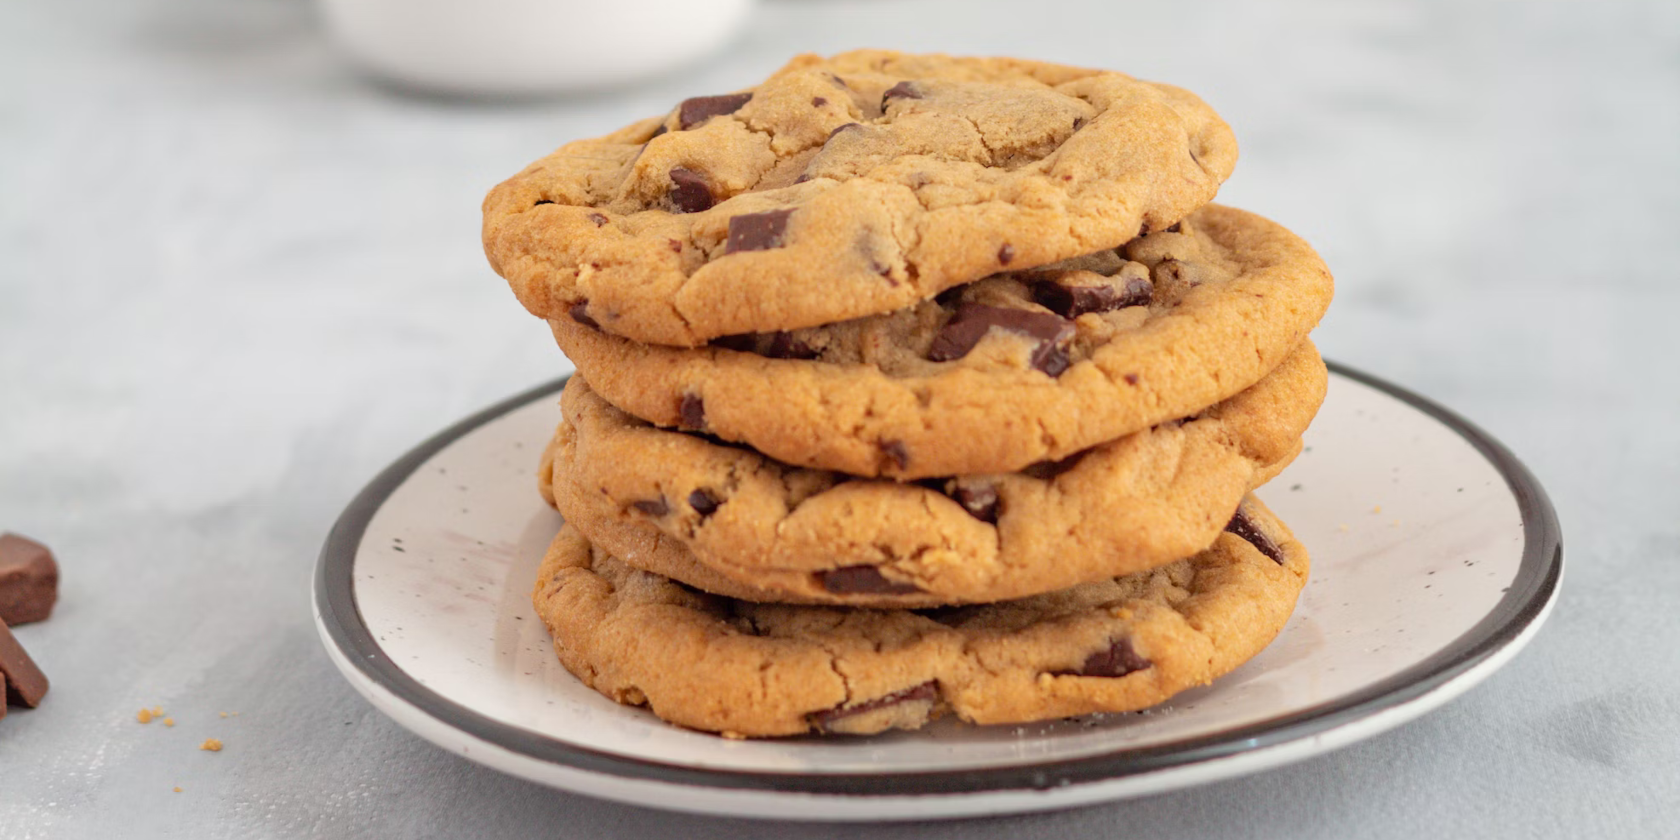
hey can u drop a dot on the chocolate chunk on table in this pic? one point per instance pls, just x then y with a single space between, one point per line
25 684
28 580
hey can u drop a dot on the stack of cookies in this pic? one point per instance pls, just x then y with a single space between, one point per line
913 385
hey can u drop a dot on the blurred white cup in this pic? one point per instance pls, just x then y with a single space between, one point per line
525 47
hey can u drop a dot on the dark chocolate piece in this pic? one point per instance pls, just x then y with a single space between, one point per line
692 410
928 691
1074 301
28 580
742 343
902 90
597 218
818 102
1006 254
694 111
652 507
689 191
1046 470
862 580
757 231
580 314
973 320
784 346
658 131
979 498
843 127
1117 660
541 201
895 450
1248 529
703 502
25 684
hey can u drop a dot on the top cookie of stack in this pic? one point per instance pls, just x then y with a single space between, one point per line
845 187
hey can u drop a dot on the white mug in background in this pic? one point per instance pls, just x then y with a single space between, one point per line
527 47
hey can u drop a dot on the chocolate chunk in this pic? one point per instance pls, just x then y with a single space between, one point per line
689 191
692 410
1074 301
1175 227
1006 254
926 692
843 127
25 684
784 346
974 320
658 131
597 218
694 111
839 82
895 450
1117 660
541 201
757 231
652 507
28 580
1131 378
580 314
818 102
1248 529
979 498
1078 123
703 502
862 580
902 90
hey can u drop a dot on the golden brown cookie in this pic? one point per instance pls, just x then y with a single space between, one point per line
844 187
994 376
822 537
746 669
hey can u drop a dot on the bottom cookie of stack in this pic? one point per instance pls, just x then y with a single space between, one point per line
746 669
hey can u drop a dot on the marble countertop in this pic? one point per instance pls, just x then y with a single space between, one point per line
237 279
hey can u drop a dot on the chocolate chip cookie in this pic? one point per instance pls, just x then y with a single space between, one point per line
822 537
1018 368
844 187
745 669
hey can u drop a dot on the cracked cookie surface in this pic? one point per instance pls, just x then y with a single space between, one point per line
847 186
1017 368
746 669
823 537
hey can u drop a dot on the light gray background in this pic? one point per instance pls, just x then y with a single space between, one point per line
236 280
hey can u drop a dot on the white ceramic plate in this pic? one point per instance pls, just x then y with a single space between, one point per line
1436 556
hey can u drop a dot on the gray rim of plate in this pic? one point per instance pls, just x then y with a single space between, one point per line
1537 578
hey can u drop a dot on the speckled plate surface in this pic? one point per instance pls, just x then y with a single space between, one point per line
1436 557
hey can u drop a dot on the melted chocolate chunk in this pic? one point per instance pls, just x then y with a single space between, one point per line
843 127
24 681
979 498
28 580
862 580
703 502
1248 529
784 346
1117 660
689 191
692 410
895 450
658 131
1175 227
818 102
926 692
743 343
652 507
1006 254
694 111
597 218
974 320
580 313
757 231
1074 301
902 90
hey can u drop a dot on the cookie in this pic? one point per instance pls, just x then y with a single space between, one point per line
745 669
1124 506
845 187
1019 368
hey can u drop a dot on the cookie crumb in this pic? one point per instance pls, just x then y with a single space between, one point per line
168 721
224 714
177 790
144 716
1377 509
157 711
1342 527
211 745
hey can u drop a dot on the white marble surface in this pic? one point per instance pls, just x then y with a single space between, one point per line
236 280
